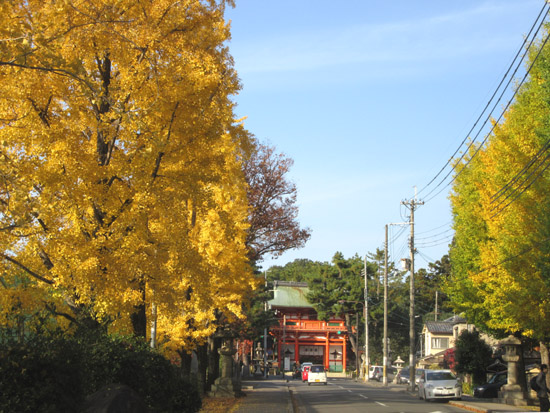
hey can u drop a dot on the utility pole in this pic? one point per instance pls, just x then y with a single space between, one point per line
366 324
412 205
356 346
436 299
385 347
284 346
385 344
265 331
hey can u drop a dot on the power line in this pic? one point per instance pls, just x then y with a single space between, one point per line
523 252
490 100
429 259
505 188
437 242
435 235
435 229
488 104
492 128
527 187
514 179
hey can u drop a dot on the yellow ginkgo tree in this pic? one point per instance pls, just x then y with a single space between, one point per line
501 206
121 185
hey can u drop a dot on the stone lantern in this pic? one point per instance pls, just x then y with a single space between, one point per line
398 363
514 392
226 385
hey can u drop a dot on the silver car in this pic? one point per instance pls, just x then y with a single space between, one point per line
377 373
439 384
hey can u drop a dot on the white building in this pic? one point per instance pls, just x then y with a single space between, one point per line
439 336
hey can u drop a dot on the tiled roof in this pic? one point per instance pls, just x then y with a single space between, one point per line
456 319
290 294
440 327
445 326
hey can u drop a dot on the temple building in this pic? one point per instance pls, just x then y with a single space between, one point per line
300 337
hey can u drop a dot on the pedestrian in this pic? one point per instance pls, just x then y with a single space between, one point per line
542 392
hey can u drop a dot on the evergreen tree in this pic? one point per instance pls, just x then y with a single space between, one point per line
472 355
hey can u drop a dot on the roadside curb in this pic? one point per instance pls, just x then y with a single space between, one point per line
501 408
292 402
470 408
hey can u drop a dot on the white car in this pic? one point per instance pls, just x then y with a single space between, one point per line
373 371
439 384
317 374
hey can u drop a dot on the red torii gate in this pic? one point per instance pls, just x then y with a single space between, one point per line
300 336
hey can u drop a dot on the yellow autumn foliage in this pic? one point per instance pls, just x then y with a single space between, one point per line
501 209
120 159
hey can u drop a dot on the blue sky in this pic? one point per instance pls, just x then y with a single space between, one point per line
370 99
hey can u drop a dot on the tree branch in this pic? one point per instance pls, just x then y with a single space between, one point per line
61 72
154 175
27 270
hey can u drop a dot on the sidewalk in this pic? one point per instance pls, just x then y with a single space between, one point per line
270 395
482 406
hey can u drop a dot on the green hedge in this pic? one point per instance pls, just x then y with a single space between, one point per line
55 374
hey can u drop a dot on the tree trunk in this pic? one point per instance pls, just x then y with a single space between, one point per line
202 358
352 336
214 343
139 321
544 359
521 366
139 316
185 363
20 329
246 365
153 339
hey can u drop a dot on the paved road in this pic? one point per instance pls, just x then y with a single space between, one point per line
277 395
347 396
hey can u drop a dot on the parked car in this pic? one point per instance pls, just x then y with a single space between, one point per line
403 377
317 374
439 384
305 371
417 375
373 371
492 387
377 373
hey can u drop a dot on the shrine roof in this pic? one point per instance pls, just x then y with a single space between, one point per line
289 294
